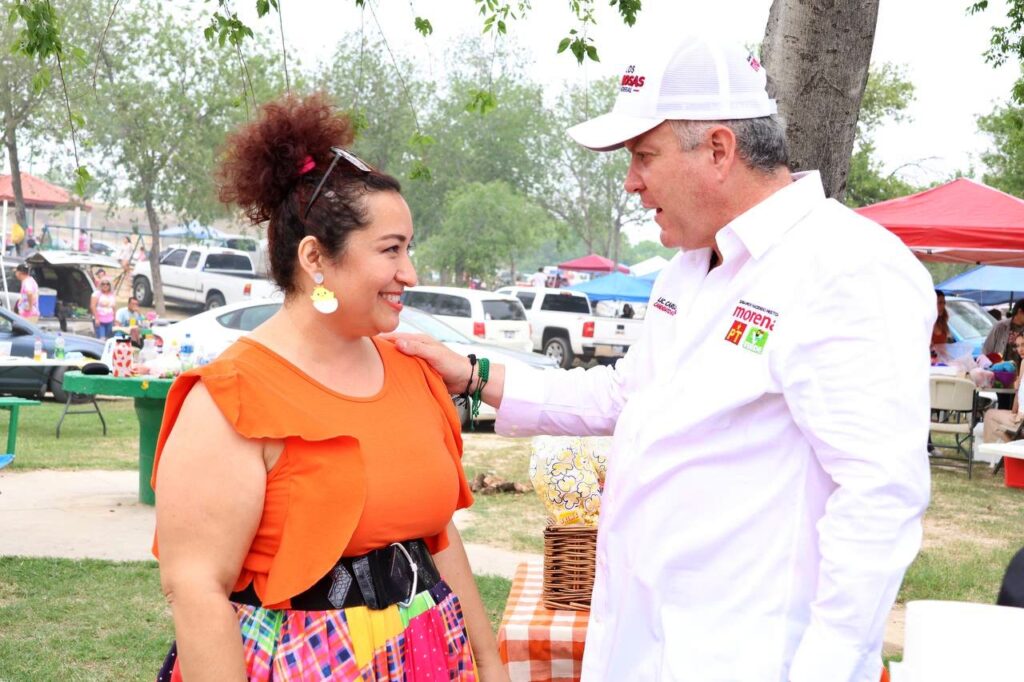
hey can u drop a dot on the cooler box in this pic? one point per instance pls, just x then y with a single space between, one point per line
47 302
1014 470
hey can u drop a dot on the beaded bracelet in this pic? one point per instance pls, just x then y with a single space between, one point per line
484 374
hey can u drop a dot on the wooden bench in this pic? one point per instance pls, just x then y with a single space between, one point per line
12 405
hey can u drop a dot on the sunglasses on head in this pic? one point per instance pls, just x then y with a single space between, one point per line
339 154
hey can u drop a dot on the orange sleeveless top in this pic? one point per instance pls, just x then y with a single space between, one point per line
355 474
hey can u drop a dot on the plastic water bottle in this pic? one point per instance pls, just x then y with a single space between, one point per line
37 351
186 353
58 347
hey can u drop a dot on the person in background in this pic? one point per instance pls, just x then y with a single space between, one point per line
940 330
84 241
538 279
102 305
1003 335
304 536
996 313
124 254
28 298
1001 425
766 481
125 316
98 276
627 311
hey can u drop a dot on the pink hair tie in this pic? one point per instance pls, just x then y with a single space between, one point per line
307 165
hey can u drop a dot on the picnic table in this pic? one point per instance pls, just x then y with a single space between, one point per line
13 405
150 395
536 643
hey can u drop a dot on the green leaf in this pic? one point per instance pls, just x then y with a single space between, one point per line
77 120
563 45
578 49
41 80
82 179
592 53
262 7
423 26
501 26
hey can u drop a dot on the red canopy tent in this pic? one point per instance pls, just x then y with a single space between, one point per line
592 263
962 221
38 193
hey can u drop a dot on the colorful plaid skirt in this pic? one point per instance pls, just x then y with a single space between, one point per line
425 641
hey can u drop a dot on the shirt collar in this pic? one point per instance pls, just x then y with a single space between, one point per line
761 226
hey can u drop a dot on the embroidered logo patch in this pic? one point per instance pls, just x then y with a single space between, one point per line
751 326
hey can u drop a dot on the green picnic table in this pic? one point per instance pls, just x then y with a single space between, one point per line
12 405
150 395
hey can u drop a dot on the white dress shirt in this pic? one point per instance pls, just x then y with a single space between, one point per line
768 472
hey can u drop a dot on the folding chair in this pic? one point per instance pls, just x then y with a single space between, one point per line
954 405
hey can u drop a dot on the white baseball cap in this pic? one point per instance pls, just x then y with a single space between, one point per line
701 79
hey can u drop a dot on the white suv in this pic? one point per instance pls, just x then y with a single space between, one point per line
484 315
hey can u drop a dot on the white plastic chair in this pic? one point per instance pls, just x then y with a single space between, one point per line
954 411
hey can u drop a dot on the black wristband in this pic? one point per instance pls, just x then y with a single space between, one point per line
472 364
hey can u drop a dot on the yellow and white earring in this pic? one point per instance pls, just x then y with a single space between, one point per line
322 297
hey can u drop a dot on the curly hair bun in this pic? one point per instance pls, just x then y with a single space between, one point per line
262 161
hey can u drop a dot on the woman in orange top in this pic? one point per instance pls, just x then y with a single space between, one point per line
307 478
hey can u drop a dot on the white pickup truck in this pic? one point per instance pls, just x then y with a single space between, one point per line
201 275
563 326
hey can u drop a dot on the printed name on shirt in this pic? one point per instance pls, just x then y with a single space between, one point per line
665 306
751 326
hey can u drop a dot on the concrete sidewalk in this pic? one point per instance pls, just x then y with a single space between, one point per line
94 514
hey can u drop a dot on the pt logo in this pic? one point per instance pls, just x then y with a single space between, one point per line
735 334
756 338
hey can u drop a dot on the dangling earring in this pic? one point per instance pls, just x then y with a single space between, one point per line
322 297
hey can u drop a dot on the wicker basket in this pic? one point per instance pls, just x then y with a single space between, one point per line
569 555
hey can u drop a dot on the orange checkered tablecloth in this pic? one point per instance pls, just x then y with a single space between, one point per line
536 643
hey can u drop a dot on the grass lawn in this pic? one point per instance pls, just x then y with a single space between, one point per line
100 620
82 444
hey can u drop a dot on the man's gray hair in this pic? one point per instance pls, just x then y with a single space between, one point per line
760 142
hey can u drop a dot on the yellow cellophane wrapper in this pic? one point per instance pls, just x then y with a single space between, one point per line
564 474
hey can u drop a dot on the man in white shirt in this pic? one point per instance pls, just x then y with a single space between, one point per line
539 279
768 472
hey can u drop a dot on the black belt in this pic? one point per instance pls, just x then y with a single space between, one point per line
377 580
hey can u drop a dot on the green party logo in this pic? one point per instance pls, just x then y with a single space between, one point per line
755 340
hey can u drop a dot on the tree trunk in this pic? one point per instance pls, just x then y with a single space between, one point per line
11 142
817 54
154 257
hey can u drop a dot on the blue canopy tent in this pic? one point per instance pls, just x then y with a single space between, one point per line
616 287
987 284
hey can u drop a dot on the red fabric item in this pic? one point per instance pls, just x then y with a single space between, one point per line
592 263
535 643
962 221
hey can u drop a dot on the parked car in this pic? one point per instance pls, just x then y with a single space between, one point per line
70 275
102 249
564 326
33 382
968 322
214 330
484 315
201 275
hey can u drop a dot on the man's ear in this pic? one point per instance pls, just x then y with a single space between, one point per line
722 142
